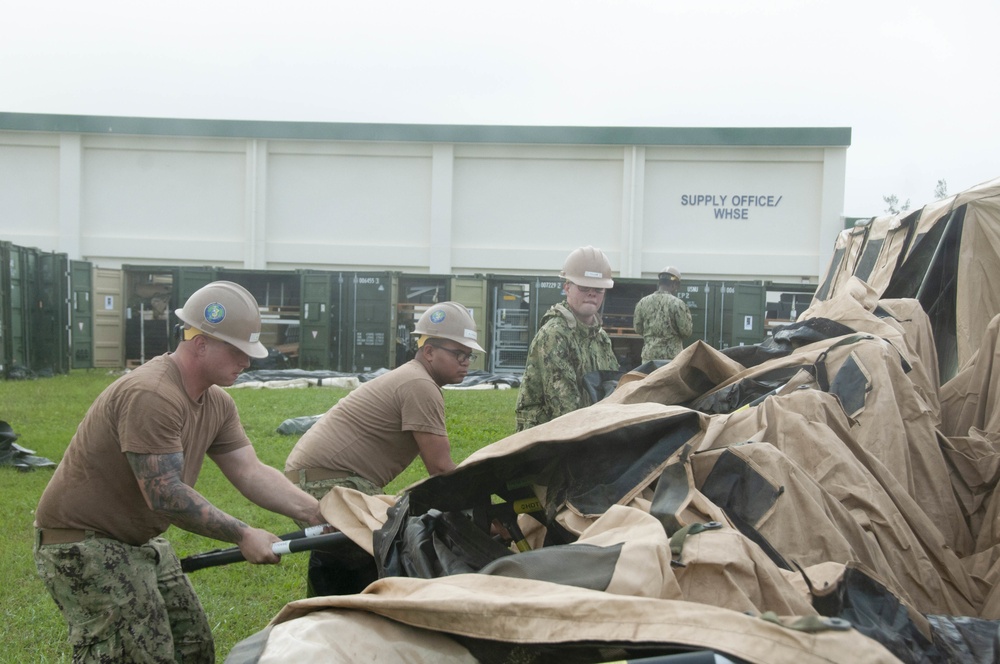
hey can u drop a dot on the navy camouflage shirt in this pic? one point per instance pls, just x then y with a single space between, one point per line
560 355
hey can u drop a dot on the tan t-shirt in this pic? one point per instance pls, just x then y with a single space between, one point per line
370 431
145 411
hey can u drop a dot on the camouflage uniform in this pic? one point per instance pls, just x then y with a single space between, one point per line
664 322
326 570
563 351
319 488
125 603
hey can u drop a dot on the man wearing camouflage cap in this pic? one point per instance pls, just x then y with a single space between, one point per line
569 344
663 319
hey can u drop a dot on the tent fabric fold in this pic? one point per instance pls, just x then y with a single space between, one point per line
832 484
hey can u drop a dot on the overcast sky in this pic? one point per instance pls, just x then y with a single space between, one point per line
915 80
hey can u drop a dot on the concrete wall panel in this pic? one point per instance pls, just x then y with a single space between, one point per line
29 189
507 205
150 192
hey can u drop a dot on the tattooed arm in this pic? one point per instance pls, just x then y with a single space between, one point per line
159 477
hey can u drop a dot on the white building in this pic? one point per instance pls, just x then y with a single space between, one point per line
719 203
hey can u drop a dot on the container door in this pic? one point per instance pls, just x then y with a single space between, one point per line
319 317
510 328
149 304
109 318
749 304
697 295
190 279
472 292
81 315
49 346
371 320
18 332
722 313
4 307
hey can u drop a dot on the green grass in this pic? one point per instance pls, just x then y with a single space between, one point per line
239 599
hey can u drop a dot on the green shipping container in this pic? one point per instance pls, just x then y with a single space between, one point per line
320 338
370 320
725 314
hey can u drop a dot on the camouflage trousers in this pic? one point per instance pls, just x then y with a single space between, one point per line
327 574
319 488
125 603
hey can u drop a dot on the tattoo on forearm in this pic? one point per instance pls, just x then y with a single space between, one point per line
159 477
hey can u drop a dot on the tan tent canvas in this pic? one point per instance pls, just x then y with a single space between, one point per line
946 255
824 503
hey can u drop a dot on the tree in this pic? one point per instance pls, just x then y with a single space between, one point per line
893 206
941 190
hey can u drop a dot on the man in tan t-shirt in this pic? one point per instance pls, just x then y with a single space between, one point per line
377 430
129 474
370 436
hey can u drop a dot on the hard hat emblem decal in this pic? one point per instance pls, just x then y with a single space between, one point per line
215 312
437 316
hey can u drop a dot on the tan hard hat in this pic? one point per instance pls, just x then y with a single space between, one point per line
672 271
226 311
588 267
449 320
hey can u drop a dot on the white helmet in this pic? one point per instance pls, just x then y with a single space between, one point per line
588 267
449 320
670 272
226 311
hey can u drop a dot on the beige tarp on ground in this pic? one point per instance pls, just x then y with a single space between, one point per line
853 462
520 611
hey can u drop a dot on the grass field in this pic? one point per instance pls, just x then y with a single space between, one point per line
239 599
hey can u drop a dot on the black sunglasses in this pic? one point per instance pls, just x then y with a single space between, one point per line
460 355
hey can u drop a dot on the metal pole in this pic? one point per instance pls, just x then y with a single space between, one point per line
722 315
142 332
704 316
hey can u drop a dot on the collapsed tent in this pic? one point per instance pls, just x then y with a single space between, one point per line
816 498
946 255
